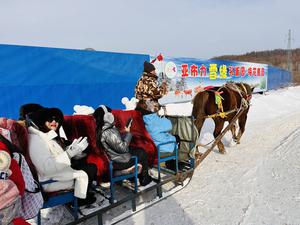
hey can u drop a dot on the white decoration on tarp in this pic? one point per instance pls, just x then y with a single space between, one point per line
83 110
129 105
171 70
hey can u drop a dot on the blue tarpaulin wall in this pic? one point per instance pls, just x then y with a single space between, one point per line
278 78
63 78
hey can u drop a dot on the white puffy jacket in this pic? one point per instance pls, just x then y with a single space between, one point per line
52 162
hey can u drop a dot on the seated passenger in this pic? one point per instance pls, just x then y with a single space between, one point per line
159 129
116 147
52 158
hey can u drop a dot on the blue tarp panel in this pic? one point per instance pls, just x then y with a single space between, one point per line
63 78
278 78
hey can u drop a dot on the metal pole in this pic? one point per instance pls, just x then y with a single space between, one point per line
289 52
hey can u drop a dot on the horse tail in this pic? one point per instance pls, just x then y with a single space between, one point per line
199 103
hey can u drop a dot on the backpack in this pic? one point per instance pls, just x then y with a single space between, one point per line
32 200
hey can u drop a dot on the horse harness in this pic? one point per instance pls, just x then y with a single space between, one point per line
245 100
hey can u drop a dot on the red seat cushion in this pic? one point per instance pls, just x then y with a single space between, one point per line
82 125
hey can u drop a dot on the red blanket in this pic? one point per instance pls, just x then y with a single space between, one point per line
84 125
141 137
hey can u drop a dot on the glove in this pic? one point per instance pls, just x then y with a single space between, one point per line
77 146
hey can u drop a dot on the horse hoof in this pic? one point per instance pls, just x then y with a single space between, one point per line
223 152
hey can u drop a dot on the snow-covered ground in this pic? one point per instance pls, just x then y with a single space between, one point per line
256 182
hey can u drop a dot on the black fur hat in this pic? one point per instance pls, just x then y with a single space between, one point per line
148 67
27 109
40 117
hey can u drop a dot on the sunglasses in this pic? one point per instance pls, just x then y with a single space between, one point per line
50 119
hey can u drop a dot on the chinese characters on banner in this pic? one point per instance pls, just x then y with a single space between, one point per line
185 77
214 70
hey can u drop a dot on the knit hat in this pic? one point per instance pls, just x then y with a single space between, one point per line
148 67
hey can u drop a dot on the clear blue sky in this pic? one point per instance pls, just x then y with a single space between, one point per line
187 28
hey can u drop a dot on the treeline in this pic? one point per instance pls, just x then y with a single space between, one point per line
277 57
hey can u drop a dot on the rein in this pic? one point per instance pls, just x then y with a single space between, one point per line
237 89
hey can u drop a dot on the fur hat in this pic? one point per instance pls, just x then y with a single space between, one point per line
27 109
41 116
148 67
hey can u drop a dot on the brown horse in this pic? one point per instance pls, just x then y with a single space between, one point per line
233 95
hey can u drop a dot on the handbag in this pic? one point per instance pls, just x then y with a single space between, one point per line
32 200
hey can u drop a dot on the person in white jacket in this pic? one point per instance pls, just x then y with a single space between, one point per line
52 159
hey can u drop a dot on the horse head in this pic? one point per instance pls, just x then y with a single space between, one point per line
246 91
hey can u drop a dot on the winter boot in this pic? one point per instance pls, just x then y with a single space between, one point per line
90 199
145 179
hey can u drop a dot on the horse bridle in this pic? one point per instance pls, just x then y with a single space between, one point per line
242 91
246 95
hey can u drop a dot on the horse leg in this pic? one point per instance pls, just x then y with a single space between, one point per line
199 123
233 129
242 124
218 128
